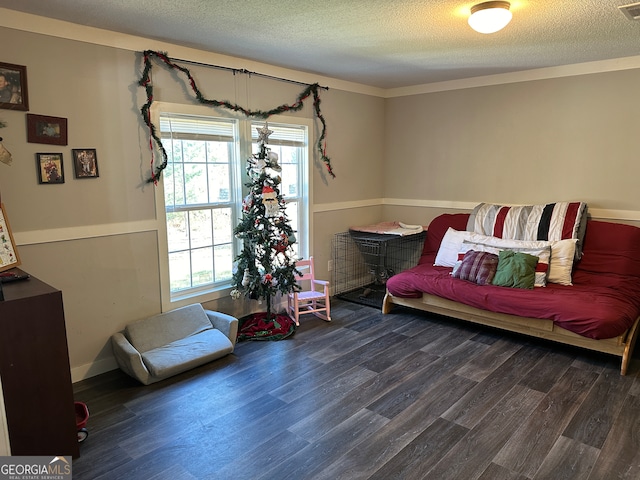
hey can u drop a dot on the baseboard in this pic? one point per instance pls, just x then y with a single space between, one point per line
92 369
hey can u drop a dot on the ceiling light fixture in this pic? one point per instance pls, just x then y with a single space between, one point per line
489 17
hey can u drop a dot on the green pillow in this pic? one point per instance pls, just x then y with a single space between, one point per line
515 269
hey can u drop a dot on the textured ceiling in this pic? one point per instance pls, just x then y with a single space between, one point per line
380 43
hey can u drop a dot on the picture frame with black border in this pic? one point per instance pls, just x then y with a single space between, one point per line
46 129
13 87
50 168
85 162
9 257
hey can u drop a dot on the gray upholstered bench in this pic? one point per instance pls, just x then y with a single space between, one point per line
164 345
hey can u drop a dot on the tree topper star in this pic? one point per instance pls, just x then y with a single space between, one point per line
263 133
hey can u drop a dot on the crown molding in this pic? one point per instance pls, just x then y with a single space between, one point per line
587 68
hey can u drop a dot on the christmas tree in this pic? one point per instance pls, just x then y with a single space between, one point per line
266 264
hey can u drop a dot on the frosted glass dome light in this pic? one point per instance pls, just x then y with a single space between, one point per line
489 17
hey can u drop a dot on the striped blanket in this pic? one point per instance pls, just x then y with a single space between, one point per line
553 221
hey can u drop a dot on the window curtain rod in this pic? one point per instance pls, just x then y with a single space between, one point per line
243 70
311 90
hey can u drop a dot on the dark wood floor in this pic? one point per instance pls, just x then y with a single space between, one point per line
405 395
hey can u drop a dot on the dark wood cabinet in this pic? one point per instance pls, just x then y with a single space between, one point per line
34 366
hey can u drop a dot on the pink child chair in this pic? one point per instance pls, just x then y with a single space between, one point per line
310 299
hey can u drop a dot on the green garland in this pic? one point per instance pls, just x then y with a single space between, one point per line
145 81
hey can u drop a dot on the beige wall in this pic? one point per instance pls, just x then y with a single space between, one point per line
404 158
96 239
570 138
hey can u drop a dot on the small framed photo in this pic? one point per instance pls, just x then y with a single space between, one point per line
9 257
43 129
13 87
50 167
85 162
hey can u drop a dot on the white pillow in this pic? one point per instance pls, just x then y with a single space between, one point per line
447 255
562 255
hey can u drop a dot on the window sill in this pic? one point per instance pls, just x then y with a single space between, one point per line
201 296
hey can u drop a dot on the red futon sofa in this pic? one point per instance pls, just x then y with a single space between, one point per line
599 311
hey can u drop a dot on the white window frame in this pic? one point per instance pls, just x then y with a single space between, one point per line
239 178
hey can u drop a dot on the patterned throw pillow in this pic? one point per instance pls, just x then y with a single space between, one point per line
477 267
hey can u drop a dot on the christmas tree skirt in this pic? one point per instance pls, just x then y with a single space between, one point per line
257 327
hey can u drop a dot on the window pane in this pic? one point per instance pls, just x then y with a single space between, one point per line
179 271
177 231
202 266
169 185
175 150
218 152
288 155
194 151
200 227
174 185
195 176
292 214
222 226
289 185
223 262
219 183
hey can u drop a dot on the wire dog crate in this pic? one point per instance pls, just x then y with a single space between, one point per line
362 263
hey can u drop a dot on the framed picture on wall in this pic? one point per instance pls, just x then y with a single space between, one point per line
13 87
85 162
9 257
50 167
44 129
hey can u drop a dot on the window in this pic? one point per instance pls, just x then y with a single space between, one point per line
202 192
199 199
290 142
